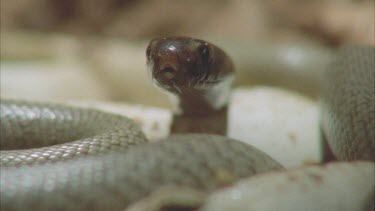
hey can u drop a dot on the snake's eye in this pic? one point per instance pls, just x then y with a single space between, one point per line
205 54
148 51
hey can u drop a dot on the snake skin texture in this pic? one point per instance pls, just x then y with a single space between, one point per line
108 181
31 127
348 105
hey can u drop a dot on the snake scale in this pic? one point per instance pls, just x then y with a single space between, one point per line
348 104
110 164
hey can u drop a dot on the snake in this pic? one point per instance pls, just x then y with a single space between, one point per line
59 157
348 104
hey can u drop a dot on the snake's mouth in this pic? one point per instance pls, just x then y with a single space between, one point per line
181 81
166 76
178 79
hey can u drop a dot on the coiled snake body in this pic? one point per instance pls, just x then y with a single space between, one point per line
348 104
101 170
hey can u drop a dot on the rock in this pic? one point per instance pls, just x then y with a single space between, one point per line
333 187
280 123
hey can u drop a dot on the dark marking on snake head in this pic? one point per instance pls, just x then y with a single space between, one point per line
180 64
204 51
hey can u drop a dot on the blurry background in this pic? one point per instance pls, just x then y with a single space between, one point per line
94 49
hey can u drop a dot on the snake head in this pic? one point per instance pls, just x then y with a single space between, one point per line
182 64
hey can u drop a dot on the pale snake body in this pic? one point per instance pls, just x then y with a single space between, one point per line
112 180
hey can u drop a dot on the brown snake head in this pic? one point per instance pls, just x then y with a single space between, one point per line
182 64
197 73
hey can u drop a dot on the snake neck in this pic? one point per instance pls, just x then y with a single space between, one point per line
214 122
201 114
203 102
202 111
